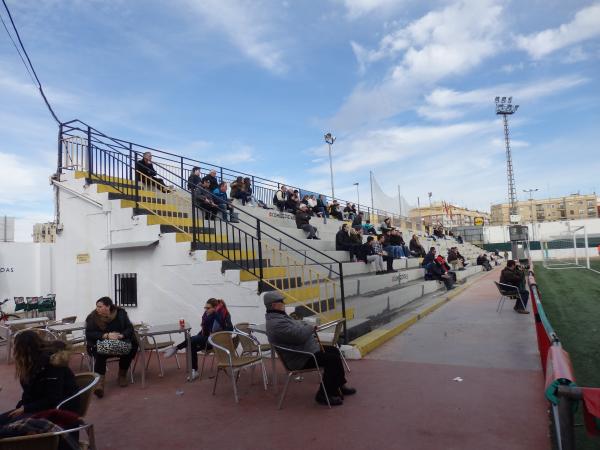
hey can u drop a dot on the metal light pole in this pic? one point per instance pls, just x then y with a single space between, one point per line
530 192
357 197
505 108
330 139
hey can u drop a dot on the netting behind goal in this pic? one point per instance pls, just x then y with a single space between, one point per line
567 250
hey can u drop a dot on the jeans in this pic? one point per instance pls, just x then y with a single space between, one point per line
199 343
377 261
525 296
333 375
312 231
396 251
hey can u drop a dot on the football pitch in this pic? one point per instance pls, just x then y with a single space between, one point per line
571 299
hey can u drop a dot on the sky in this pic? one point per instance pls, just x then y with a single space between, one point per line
406 86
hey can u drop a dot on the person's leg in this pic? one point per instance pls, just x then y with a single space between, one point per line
525 297
373 259
333 373
390 262
379 263
125 360
100 363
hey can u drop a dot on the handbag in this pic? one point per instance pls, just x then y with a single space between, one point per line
114 347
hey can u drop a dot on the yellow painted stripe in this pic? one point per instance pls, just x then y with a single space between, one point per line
127 191
81 174
177 221
211 255
149 205
330 316
183 237
268 273
302 294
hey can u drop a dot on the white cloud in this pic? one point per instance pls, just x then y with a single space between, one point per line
447 104
23 181
446 42
584 26
249 29
239 153
358 8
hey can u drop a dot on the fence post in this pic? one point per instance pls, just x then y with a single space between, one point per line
135 182
89 152
221 175
194 210
132 160
260 257
343 299
59 162
181 177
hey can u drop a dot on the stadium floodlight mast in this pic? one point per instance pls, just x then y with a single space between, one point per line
330 139
505 108
357 197
530 192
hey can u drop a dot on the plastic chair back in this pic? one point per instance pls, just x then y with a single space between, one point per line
85 382
43 441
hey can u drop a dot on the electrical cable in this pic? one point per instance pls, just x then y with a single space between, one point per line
39 84
18 51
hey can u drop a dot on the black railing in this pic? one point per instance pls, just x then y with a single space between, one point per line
112 161
264 189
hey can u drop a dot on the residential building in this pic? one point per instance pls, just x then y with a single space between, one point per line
448 215
44 232
575 206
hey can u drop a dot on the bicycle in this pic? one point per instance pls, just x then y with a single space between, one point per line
6 316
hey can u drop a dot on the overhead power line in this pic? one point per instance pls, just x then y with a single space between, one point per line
28 65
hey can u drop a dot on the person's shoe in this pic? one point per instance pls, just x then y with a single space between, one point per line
347 390
195 375
380 272
333 400
170 352
123 378
99 390
392 271
522 311
317 238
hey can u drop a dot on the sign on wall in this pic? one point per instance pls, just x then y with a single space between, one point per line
478 221
83 258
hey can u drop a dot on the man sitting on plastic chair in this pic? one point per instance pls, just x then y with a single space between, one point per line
284 331
513 274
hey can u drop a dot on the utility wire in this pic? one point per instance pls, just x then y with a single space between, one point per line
30 66
18 51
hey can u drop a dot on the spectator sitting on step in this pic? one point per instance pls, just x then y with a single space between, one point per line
286 332
349 211
459 239
387 226
311 201
369 254
216 318
145 167
429 257
356 236
303 222
395 245
514 275
194 180
334 210
343 242
368 228
454 260
247 188
357 221
407 251
416 248
238 191
212 178
304 201
322 208
439 270
292 202
483 261
280 198
223 202
43 370
204 200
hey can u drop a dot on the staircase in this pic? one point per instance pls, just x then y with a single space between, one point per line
263 250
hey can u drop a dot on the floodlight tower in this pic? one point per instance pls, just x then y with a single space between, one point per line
330 139
505 108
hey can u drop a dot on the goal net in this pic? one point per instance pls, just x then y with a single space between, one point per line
567 250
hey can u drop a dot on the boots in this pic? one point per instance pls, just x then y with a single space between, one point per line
99 391
123 378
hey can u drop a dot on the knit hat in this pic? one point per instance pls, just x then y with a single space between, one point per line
272 297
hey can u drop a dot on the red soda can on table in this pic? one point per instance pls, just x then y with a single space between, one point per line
181 323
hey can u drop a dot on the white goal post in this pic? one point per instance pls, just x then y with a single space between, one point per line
569 250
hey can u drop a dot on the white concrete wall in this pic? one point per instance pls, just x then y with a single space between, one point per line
25 270
172 282
543 230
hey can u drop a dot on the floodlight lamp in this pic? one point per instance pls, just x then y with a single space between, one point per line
329 138
516 107
503 99
509 99
497 99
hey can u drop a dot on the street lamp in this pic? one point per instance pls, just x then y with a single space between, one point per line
330 139
531 191
357 197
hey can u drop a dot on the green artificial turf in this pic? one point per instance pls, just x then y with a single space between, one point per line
571 300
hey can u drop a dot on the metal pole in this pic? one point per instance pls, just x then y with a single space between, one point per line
60 152
419 213
585 240
331 171
357 197
89 152
371 182
343 299
260 257
399 203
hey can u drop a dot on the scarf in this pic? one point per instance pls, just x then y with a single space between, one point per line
103 321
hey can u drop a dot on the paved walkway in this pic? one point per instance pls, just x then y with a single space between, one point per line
407 397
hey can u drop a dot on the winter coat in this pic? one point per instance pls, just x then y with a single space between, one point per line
302 218
294 334
53 383
121 324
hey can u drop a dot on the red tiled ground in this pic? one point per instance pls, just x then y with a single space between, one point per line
408 404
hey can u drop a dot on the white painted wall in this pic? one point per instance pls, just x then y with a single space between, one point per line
25 270
543 230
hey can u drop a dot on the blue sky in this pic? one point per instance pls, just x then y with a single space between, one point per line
407 86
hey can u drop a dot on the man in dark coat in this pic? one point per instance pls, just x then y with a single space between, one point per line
286 332
145 167
302 222
212 179
514 276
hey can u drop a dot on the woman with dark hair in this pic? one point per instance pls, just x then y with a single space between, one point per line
216 317
416 248
43 371
105 324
